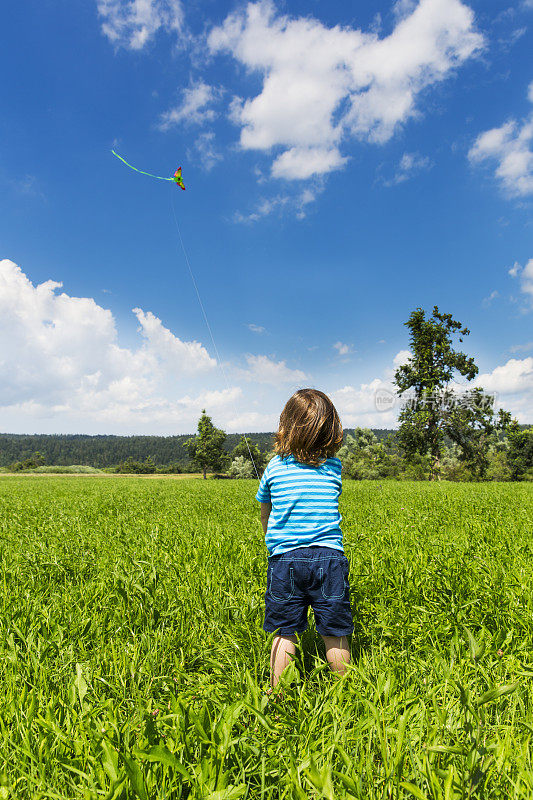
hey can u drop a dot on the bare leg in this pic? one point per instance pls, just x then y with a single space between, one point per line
283 650
337 653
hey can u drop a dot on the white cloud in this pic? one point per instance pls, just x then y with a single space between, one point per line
193 108
521 348
359 406
525 276
342 348
510 147
324 85
263 369
487 301
211 399
410 164
376 404
133 23
253 421
256 328
285 203
183 356
60 359
401 358
206 150
512 383
526 279
508 40
29 186
403 8
299 163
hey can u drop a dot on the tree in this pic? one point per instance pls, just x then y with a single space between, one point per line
206 449
432 364
520 453
31 462
250 451
130 466
241 467
473 425
364 457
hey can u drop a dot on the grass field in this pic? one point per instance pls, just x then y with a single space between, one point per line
133 661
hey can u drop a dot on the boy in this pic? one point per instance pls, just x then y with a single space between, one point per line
299 495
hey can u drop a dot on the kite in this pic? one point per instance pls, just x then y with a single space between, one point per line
179 182
176 177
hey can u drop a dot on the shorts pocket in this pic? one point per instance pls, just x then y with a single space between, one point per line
333 581
281 582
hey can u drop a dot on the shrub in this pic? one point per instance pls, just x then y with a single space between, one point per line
71 469
241 467
520 454
499 469
33 461
130 466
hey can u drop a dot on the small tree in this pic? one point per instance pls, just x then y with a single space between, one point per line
250 451
241 467
31 462
474 426
364 457
520 453
206 449
131 466
432 365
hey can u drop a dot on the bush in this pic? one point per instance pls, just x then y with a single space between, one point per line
247 448
499 469
364 458
520 454
452 468
130 466
169 469
35 460
241 467
417 468
72 469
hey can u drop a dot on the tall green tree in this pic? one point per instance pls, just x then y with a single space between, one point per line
206 449
520 453
432 365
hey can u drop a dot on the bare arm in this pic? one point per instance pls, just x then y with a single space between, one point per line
266 508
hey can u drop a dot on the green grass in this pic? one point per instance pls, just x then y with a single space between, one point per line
133 662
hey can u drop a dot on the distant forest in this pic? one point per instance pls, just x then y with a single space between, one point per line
108 451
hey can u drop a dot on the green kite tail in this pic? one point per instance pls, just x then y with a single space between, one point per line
159 177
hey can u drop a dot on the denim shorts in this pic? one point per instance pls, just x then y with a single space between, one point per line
308 576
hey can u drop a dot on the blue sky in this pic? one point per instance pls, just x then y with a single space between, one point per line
344 164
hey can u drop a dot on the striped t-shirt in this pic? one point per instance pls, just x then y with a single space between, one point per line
305 504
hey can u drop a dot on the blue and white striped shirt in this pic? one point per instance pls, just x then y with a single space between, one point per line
305 504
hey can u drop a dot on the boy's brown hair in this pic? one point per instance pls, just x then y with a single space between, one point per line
309 428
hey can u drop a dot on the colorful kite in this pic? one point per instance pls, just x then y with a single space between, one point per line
176 177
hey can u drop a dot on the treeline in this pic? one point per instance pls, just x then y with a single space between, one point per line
443 432
502 457
111 451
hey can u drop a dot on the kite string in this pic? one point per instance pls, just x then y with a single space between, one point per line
208 326
159 177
